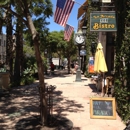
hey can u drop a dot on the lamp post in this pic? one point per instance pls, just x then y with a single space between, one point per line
79 40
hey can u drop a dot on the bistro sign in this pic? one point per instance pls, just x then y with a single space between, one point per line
103 21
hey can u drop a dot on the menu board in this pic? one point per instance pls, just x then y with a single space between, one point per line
102 107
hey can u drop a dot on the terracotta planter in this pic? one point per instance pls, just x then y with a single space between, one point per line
4 80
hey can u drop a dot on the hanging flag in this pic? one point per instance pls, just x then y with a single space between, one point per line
63 10
68 32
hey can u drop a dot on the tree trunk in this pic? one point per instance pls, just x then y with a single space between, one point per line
36 41
19 52
9 44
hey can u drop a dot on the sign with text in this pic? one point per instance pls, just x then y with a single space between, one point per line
106 1
103 21
82 52
102 108
91 65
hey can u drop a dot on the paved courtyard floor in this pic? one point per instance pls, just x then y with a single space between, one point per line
19 109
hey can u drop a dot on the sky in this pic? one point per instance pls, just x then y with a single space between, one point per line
72 20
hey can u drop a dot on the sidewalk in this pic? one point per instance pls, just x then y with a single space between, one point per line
72 101
19 108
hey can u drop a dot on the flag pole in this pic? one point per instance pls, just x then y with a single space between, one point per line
78 3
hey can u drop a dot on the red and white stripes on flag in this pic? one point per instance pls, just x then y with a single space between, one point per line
63 10
68 32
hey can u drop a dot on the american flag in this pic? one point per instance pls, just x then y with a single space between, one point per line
62 12
68 32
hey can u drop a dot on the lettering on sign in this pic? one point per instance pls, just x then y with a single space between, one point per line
102 108
103 21
100 25
106 1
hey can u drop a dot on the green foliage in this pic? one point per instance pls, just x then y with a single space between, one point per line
30 62
2 70
90 37
27 77
122 62
30 69
58 45
4 2
122 95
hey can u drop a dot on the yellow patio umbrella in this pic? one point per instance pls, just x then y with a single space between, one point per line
100 63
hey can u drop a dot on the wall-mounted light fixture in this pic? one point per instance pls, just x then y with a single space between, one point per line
84 30
95 0
95 3
84 27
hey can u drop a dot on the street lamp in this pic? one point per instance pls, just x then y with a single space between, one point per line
79 40
84 30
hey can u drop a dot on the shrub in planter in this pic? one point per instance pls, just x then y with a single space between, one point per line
4 78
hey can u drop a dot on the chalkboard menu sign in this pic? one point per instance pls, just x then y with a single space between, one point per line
103 108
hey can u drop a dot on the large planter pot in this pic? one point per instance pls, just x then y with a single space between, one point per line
4 80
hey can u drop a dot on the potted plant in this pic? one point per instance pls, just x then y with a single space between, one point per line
4 78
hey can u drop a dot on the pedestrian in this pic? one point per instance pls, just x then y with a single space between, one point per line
63 65
72 68
76 66
52 66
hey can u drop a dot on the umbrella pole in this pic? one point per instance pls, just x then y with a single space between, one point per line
103 84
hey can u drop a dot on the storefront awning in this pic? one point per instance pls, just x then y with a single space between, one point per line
83 8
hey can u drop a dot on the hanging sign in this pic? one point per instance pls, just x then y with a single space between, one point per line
106 1
82 52
82 9
103 21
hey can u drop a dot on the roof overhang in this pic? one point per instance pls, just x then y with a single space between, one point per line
83 8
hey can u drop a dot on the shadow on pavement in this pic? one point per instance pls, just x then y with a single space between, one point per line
20 108
63 104
33 123
93 87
